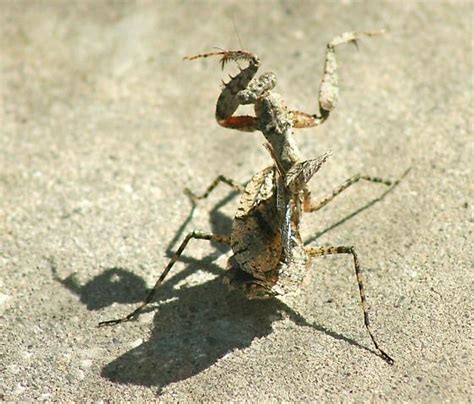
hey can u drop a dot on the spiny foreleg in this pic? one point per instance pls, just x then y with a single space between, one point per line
228 102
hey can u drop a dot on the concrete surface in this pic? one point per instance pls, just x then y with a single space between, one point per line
103 125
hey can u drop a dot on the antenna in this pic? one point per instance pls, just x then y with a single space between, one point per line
236 31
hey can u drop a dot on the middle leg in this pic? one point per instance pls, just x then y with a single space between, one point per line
310 206
221 178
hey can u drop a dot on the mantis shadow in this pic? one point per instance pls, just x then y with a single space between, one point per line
194 326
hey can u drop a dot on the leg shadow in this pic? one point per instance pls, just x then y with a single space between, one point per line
353 214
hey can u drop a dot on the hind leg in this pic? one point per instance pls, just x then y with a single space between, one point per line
196 235
321 251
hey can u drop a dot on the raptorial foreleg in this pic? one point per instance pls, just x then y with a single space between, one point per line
228 102
328 91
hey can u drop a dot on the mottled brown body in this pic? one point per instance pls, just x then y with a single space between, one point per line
258 266
256 235
261 265
256 239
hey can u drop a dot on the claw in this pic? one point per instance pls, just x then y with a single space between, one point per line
235 56
229 55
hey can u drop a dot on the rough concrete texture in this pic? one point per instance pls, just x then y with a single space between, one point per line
103 125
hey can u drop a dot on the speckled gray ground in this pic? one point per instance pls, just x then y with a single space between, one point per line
103 125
